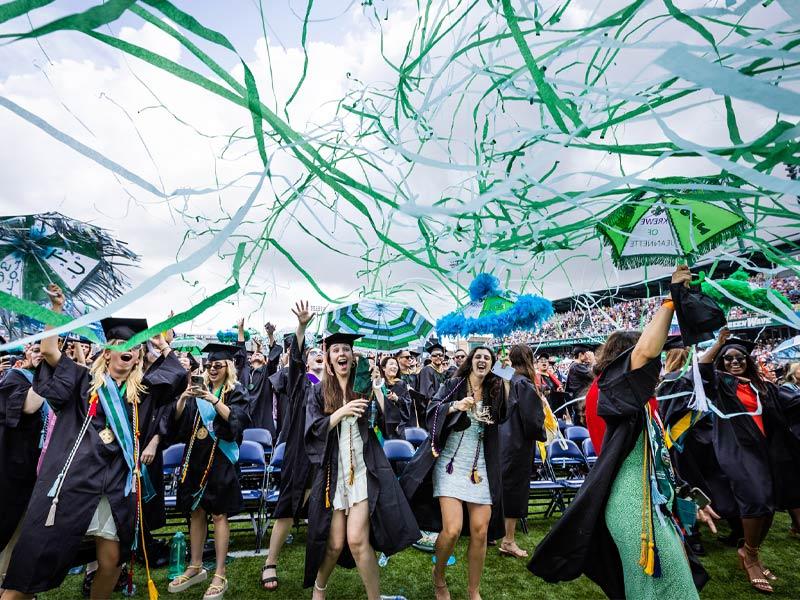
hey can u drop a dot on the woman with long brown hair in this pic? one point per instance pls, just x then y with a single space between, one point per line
210 419
518 435
458 467
356 506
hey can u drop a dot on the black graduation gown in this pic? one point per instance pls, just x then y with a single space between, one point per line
579 543
579 378
260 397
762 468
397 415
411 380
223 494
430 380
417 478
696 462
518 436
391 522
19 452
295 474
789 398
43 555
279 386
166 380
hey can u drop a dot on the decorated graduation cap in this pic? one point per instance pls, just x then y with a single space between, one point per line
218 351
698 314
742 344
116 328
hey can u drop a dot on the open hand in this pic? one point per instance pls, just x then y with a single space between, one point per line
355 408
56 297
464 404
682 275
302 312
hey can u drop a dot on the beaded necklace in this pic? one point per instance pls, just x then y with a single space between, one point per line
474 475
195 430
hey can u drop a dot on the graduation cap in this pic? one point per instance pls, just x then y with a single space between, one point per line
193 364
116 328
543 354
674 342
217 351
415 353
698 314
341 337
742 344
433 346
581 348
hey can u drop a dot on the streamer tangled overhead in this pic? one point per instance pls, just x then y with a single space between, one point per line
507 131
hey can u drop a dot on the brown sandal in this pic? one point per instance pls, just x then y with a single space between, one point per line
267 580
760 584
514 551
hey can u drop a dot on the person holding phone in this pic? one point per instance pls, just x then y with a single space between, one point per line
90 476
210 417
355 496
398 408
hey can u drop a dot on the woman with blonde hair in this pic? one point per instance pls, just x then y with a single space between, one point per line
210 419
89 482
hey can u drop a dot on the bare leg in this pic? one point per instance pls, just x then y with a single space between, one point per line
197 540
15 595
748 555
479 515
221 537
794 513
280 531
509 543
364 555
108 569
452 521
336 539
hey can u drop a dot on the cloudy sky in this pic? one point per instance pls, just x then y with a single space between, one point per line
175 136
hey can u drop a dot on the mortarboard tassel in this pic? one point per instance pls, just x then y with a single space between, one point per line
51 515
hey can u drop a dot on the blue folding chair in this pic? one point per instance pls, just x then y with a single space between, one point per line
271 491
398 453
588 452
261 436
172 458
253 469
415 435
568 466
577 434
544 487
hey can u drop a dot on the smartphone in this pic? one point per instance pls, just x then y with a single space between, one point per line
700 497
198 381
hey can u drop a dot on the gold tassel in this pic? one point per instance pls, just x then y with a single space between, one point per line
51 516
151 589
651 559
352 478
643 555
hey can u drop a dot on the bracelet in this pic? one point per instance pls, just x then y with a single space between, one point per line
215 403
669 303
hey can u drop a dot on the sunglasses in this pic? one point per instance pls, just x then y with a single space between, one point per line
404 356
437 355
313 353
734 358
216 366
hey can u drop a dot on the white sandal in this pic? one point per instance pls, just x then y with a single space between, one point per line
216 591
184 582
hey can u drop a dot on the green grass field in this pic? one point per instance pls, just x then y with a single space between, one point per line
408 573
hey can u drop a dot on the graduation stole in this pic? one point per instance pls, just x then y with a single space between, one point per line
117 418
207 413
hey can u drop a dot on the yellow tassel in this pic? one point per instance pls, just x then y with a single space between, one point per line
351 480
151 589
643 555
651 559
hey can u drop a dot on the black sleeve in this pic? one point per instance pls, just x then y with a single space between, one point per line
60 385
317 426
404 404
296 368
242 365
789 400
623 392
427 382
274 358
531 412
238 420
440 424
13 392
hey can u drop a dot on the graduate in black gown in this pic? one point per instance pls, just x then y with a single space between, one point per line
690 435
260 391
305 369
442 476
21 436
432 376
398 410
580 542
580 373
356 506
518 437
758 452
210 418
87 485
408 372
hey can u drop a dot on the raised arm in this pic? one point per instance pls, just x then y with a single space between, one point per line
711 354
654 336
304 316
49 345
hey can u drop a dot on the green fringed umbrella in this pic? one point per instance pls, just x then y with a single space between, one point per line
660 230
384 325
189 344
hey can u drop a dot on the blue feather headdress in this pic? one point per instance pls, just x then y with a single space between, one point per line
495 311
